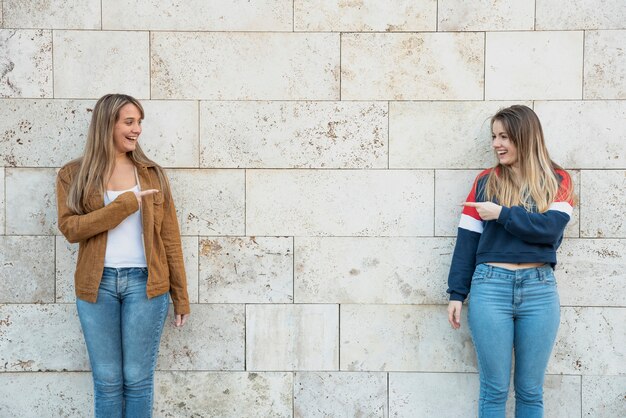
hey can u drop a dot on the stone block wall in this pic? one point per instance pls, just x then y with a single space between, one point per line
317 152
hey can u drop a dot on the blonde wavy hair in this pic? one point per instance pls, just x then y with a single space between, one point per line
98 160
537 184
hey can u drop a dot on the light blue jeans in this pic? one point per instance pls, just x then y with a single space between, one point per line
513 310
122 331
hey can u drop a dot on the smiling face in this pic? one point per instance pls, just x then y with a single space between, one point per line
505 149
127 129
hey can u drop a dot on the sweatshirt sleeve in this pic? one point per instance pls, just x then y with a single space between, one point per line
464 257
540 228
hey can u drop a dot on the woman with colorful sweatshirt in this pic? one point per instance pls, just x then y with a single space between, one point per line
511 227
116 203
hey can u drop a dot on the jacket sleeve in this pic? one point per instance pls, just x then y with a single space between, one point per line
78 228
540 228
170 235
464 257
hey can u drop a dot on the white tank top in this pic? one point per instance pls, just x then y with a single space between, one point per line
125 241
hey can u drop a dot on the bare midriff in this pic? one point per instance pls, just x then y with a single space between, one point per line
516 266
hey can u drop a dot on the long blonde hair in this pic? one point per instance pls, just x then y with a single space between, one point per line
98 160
537 185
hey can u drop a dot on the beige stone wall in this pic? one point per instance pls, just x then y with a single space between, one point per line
317 152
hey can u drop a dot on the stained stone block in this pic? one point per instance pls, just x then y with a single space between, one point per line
292 337
31 201
364 16
412 66
556 56
209 202
41 338
585 134
212 339
198 15
340 203
442 134
294 134
485 15
120 68
604 396
224 395
25 63
591 341
428 394
27 395
403 338
246 270
592 272
602 203
43 133
372 270
26 269
580 14
52 14
170 133
340 394
605 64
245 66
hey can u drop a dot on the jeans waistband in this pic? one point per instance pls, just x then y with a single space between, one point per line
493 271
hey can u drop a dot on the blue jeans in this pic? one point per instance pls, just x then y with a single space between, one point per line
122 331
513 310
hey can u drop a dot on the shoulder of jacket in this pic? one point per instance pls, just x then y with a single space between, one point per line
69 170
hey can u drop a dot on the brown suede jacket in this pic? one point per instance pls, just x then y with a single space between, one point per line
161 237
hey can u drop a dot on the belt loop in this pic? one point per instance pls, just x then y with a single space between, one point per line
489 271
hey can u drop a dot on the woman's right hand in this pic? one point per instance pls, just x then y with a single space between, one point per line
454 313
143 193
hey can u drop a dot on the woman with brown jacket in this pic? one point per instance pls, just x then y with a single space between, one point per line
116 203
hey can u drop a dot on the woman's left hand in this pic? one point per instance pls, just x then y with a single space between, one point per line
488 211
180 320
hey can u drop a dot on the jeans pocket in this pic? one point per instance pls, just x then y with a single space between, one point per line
548 279
478 278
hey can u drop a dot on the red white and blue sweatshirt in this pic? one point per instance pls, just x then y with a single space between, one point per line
517 236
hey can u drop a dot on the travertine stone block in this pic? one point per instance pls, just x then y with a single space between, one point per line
403 338
245 66
604 396
340 394
585 134
25 63
52 14
54 340
2 202
190 257
442 134
294 134
31 201
554 58
428 394
591 341
364 16
224 395
120 68
200 15
580 14
372 270
26 395
209 202
292 337
486 15
43 133
602 203
26 269
452 188
212 339
246 270
412 66
592 272
66 255
170 133
605 64
334 202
